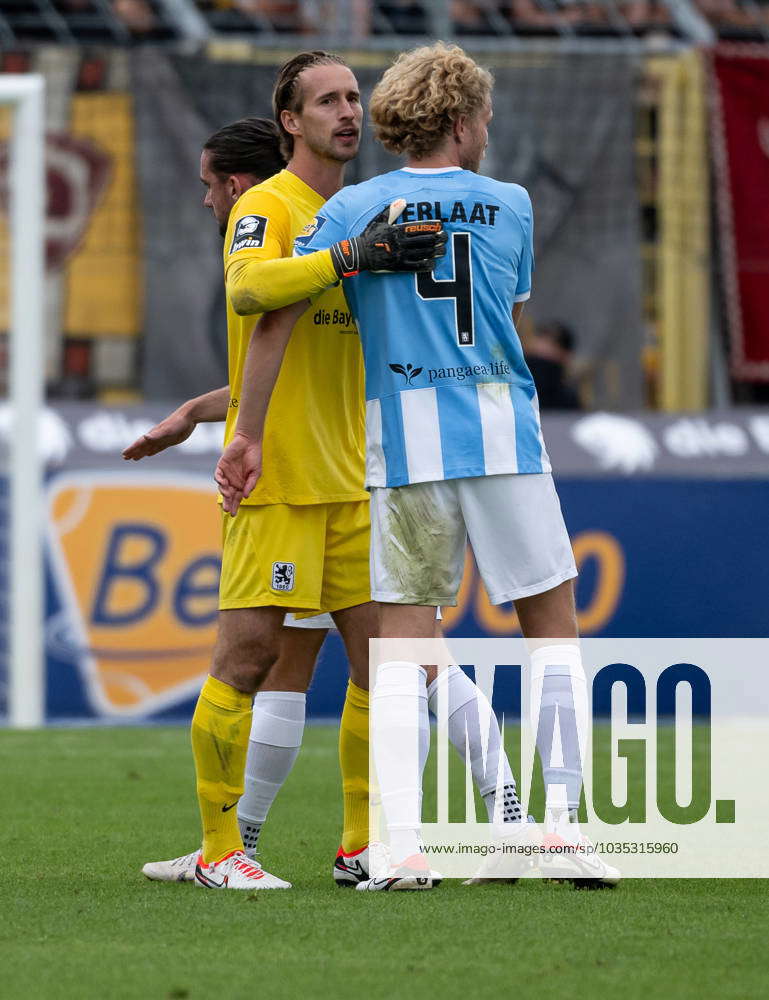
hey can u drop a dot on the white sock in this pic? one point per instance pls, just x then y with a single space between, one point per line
400 730
473 728
276 736
559 689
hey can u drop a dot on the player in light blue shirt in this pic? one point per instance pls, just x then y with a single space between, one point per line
441 349
454 447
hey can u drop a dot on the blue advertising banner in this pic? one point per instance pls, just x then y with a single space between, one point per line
668 526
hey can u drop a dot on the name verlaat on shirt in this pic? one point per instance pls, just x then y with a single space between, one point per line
418 211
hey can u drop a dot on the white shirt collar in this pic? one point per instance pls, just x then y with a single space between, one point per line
430 170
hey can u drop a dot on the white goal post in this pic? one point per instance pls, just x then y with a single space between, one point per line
27 203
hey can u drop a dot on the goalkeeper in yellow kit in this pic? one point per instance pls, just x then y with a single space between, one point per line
303 543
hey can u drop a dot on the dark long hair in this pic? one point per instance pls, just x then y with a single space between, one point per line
248 146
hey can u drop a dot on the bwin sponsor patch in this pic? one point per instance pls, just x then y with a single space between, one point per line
249 233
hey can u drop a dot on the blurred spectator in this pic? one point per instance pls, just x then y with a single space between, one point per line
737 18
402 17
586 17
648 15
289 16
526 17
136 15
280 15
549 353
476 18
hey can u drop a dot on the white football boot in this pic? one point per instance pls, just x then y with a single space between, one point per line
176 870
578 863
412 875
513 854
351 868
356 866
236 871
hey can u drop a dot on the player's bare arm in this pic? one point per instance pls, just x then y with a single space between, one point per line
518 312
240 465
211 407
256 285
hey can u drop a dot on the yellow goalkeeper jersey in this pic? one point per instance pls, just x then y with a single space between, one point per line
314 435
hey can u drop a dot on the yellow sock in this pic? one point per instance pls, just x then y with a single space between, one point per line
353 760
220 728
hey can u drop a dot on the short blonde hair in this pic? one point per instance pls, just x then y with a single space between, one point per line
417 101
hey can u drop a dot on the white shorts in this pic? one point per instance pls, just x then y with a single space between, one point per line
317 621
515 526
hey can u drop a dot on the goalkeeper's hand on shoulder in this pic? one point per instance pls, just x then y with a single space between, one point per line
385 246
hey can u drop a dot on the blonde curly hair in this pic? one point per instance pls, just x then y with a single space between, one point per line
417 101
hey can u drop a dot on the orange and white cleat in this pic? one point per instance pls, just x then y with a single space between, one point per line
235 871
411 875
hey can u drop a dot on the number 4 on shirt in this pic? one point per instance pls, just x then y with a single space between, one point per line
459 288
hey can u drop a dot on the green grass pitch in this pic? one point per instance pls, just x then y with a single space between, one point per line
82 810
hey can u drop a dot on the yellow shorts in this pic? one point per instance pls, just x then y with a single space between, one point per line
305 559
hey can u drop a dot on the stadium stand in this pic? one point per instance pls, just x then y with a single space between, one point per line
737 20
93 48
84 22
248 16
479 19
123 22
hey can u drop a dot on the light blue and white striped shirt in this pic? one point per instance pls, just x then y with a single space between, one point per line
448 393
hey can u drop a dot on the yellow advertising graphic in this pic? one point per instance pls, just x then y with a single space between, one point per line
104 292
92 226
137 561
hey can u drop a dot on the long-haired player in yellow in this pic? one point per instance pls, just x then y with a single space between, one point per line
303 543
234 159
